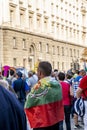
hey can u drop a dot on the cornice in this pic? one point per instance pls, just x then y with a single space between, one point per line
41 35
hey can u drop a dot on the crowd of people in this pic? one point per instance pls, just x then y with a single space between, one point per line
43 100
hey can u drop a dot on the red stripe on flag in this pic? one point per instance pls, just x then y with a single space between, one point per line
45 115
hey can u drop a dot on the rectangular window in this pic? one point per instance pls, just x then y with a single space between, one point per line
12 17
24 44
40 46
45 24
56 9
58 50
53 50
57 29
67 52
53 27
38 22
14 42
22 19
52 6
47 48
74 53
71 52
58 65
30 21
78 53
62 65
24 62
62 51
14 62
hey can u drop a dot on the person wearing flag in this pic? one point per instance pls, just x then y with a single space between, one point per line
44 105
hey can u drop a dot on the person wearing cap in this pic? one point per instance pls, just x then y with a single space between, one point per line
21 88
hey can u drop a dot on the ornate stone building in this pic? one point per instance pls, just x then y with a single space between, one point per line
35 30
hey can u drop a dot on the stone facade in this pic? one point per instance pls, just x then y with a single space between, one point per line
35 50
33 32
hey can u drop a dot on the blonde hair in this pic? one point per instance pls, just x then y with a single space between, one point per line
4 83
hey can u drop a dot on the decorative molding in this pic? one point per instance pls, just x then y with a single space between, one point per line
12 4
22 8
31 12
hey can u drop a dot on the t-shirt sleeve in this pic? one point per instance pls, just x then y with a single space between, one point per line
27 88
83 83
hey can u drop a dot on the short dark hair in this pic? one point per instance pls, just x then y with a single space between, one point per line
45 67
12 72
55 70
61 76
19 74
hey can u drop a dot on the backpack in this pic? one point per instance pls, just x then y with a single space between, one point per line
79 107
20 91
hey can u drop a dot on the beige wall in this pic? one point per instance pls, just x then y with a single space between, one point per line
55 23
10 52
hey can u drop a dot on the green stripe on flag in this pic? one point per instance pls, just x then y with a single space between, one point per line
48 92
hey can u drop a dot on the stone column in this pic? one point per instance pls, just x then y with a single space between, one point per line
17 14
34 22
26 15
5 12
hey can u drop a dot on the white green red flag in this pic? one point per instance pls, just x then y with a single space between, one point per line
44 105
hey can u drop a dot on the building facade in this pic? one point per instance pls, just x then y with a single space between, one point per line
37 30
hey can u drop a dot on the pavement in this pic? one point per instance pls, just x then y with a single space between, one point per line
72 125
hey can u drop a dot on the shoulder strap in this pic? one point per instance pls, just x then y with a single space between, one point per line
21 84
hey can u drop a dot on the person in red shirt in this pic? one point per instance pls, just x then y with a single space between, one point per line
66 99
82 91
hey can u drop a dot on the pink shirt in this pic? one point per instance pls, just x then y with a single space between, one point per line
66 93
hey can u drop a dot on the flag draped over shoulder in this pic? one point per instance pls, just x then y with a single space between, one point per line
44 105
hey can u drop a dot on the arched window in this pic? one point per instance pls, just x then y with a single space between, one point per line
31 50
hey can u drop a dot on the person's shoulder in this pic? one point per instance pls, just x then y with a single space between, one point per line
4 95
77 78
84 79
8 98
65 83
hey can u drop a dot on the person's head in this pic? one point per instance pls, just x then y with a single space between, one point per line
55 70
19 74
68 76
52 74
76 71
82 72
30 74
4 83
61 76
12 72
44 69
7 73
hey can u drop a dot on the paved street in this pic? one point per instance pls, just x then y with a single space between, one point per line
72 125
